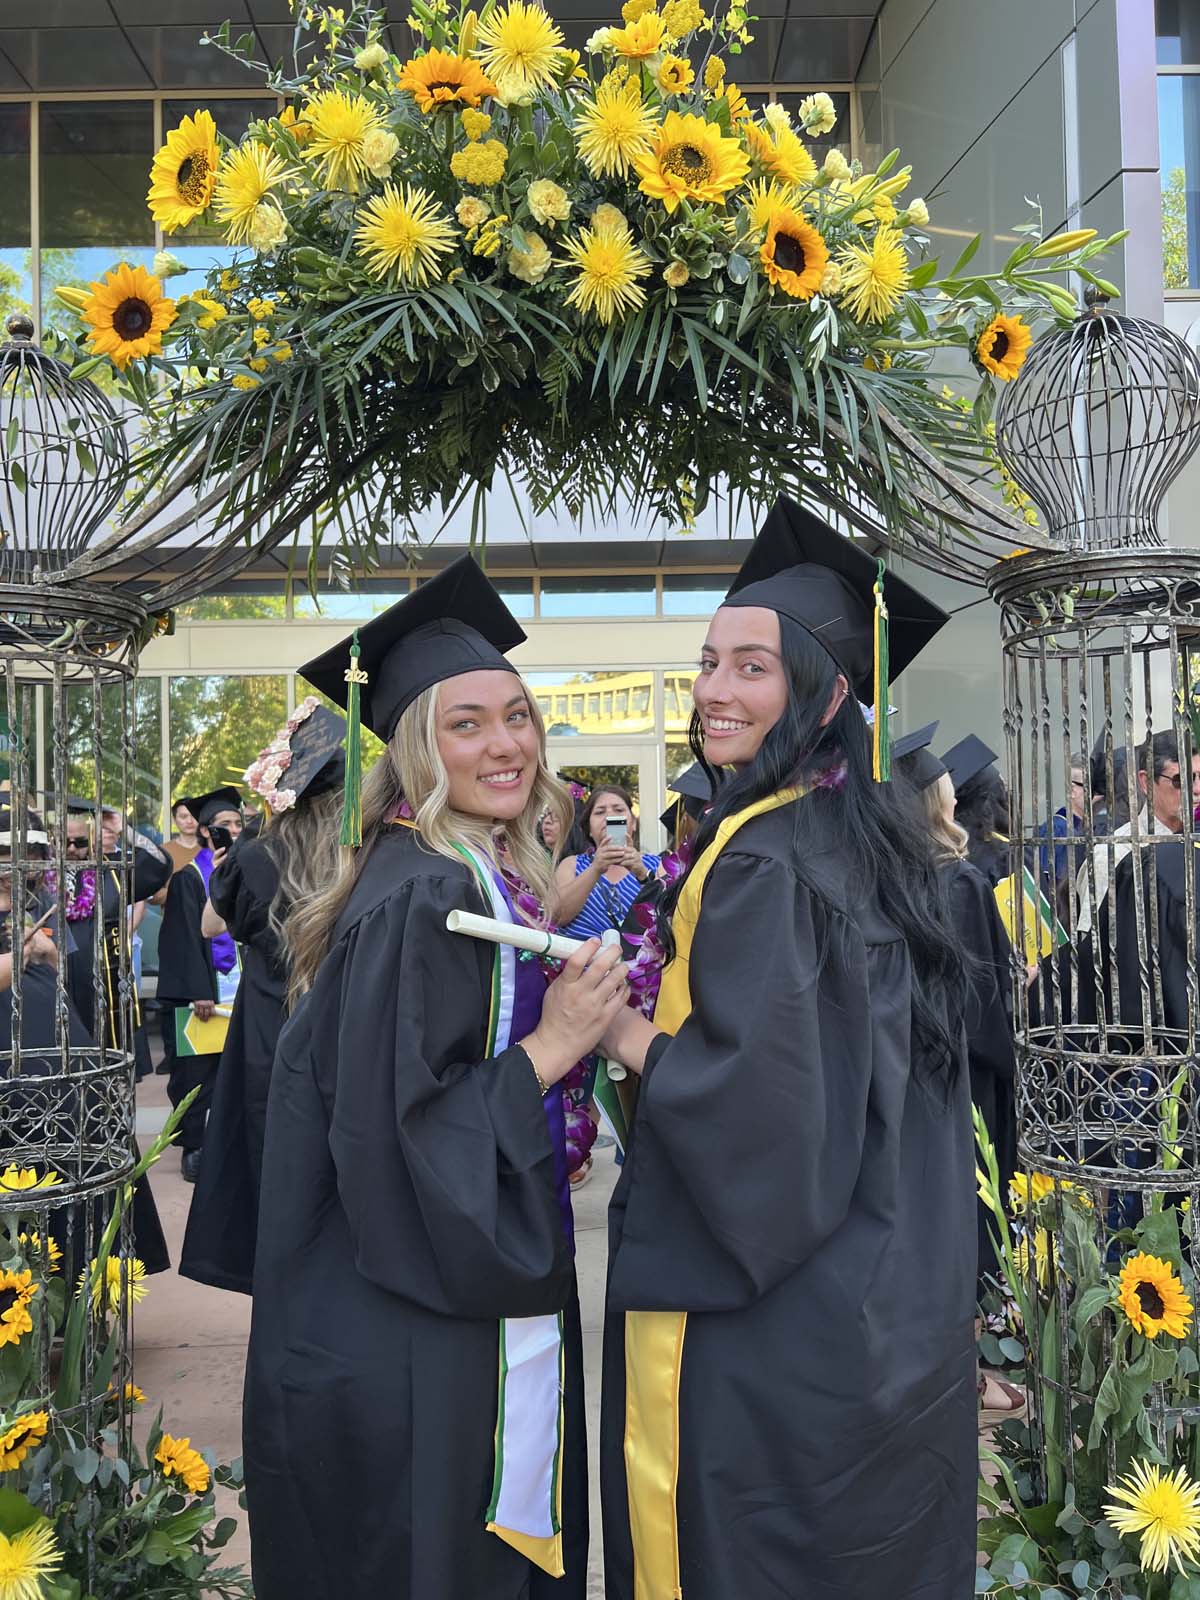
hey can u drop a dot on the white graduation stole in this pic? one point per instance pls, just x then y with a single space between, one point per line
525 1509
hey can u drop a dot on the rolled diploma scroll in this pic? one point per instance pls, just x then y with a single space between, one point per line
523 937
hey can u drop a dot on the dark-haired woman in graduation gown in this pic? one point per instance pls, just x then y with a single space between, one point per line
789 1385
413 1425
298 779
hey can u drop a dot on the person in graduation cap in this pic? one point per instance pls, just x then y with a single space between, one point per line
196 973
413 1421
299 778
981 805
789 1400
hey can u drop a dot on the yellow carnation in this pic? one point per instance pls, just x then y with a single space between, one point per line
533 263
482 164
472 212
547 202
676 275
606 216
267 229
475 124
918 213
831 279
379 149
373 56
837 167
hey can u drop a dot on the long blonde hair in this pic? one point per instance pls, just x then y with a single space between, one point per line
411 768
949 838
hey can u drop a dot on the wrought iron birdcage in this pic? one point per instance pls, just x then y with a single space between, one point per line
1099 645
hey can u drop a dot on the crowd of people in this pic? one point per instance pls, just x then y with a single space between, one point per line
805 992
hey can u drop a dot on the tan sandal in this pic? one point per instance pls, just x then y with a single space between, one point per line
581 1176
992 1416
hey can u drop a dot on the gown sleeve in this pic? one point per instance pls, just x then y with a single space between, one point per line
185 970
151 870
751 1121
443 1158
989 999
241 890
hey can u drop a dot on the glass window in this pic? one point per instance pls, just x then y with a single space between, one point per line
16 284
336 605
1177 24
201 245
517 593
95 156
677 701
821 144
1179 153
631 596
693 594
624 705
249 602
219 725
145 791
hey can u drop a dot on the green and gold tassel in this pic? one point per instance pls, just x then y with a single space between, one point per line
352 799
881 742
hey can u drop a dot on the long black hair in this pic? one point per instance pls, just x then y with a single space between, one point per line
981 807
886 857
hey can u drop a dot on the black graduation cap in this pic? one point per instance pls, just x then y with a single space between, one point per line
318 761
921 767
78 804
802 568
694 791
454 623
966 760
204 807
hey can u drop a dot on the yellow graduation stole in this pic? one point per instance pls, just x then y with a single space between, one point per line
654 1339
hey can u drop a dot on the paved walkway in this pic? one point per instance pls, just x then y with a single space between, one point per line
190 1341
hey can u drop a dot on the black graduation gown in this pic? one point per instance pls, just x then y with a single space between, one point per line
795 1186
218 1248
186 973
408 1202
990 857
991 1053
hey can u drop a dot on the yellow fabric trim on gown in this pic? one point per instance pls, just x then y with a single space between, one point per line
654 1339
544 1553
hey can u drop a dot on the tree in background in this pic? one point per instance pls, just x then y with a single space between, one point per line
218 727
1176 267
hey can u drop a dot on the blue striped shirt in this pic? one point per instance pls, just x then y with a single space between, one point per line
607 905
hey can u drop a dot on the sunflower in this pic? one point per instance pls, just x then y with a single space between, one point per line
438 80
49 1250
26 1559
675 75
129 316
641 39
134 1395
247 176
793 255
609 265
340 122
693 160
1028 1189
1002 347
26 1177
614 128
17 1289
19 1439
183 173
874 275
402 234
189 1466
1153 1298
520 46
118 1270
1164 1508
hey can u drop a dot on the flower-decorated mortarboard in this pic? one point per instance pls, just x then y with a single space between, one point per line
694 791
913 759
966 760
306 757
206 807
455 622
872 623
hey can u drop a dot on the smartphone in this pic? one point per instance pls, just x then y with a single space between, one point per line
618 830
221 837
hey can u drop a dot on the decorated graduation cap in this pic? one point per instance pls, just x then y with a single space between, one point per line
966 760
914 760
306 757
871 622
454 623
206 807
694 792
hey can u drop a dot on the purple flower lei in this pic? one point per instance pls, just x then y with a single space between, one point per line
81 894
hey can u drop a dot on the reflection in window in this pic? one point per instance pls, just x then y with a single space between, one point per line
631 596
595 704
144 773
677 700
219 725
247 603
16 286
1179 153
693 594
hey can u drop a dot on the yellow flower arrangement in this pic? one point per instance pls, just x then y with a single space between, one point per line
19 1438
794 256
1153 1298
177 1459
439 81
691 160
1002 346
184 173
481 164
17 1290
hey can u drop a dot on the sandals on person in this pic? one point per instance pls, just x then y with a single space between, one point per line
579 1178
992 1416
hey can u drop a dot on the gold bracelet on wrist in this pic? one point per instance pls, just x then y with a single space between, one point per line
541 1082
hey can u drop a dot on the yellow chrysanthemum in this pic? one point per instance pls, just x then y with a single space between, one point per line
683 17
14 1177
439 81
641 39
340 122
763 197
609 266
793 254
781 153
118 1270
25 1560
482 163
1042 1254
17 1289
614 128
248 174
675 75
1164 1508
20 1437
183 173
129 315
691 160
178 1459
520 44
874 275
1153 1298
402 234
1002 347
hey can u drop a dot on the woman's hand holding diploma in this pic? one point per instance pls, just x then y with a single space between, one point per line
627 1038
580 1005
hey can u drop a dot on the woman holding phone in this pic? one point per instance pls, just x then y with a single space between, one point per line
597 888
